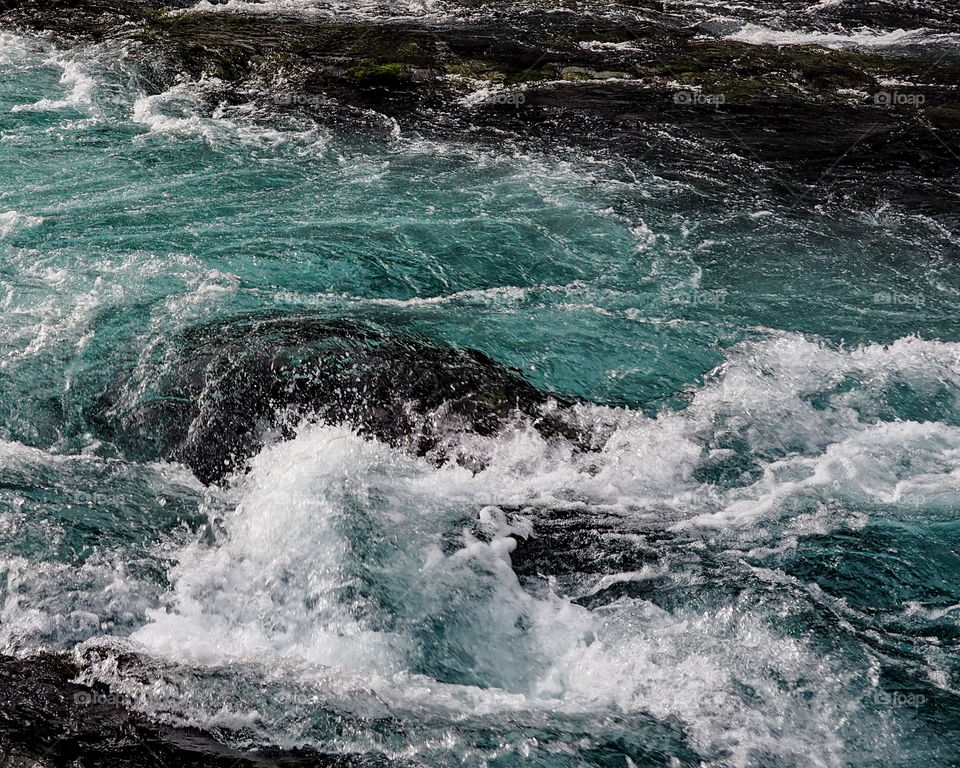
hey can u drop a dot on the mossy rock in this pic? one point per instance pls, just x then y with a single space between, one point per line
382 75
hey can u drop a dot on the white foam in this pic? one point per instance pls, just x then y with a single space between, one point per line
288 578
276 592
330 532
11 221
693 666
766 395
41 318
179 113
368 9
16 51
907 466
272 588
75 77
54 603
599 45
864 38
502 297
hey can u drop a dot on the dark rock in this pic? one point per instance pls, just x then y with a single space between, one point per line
47 721
219 391
598 77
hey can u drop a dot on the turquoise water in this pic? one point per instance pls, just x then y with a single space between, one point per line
776 383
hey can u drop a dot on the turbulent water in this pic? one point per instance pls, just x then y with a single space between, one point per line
758 566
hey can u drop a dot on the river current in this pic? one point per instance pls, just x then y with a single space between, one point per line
759 565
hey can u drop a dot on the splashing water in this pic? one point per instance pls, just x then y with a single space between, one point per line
759 552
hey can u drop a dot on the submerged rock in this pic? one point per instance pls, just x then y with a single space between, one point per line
218 392
47 721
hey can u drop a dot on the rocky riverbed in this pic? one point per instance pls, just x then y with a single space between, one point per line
597 75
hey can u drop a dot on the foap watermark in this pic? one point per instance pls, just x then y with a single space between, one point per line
700 298
505 100
296 699
898 99
699 99
93 698
899 699
92 499
893 298
294 99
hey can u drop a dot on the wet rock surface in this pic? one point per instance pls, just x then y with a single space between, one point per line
216 394
602 76
48 721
